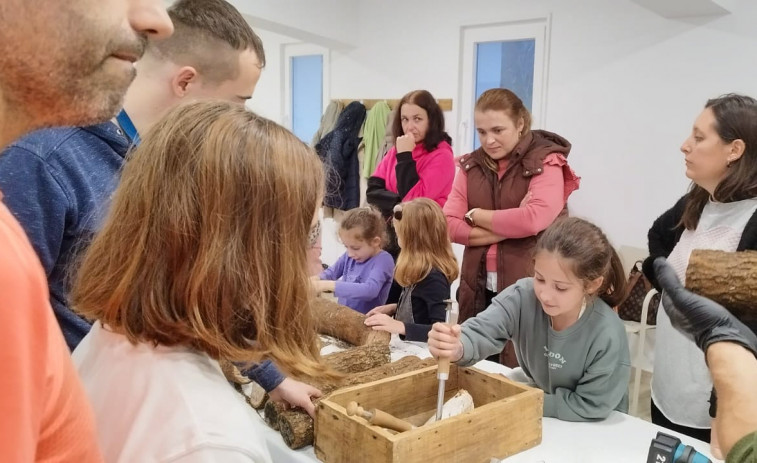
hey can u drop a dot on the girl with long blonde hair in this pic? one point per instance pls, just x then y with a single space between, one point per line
202 257
425 269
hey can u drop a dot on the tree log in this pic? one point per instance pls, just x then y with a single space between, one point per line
231 372
271 410
256 395
403 365
728 278
296 426
359 358
253 393
346 324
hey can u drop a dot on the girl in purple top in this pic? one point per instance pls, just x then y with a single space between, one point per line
362 276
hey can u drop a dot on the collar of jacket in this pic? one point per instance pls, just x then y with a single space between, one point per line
530 151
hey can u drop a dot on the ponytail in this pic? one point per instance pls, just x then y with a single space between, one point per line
613 288
587 246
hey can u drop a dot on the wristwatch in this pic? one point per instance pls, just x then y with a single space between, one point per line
469 217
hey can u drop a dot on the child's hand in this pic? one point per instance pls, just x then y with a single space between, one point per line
444 342
383 322
387 309
296 394
323 286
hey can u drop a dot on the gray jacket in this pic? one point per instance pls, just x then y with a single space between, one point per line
583 370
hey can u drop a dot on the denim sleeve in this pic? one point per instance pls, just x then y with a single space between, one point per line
266 374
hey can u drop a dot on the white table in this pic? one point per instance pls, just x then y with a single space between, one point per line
618 439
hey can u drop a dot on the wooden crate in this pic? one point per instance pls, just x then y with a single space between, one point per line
506 419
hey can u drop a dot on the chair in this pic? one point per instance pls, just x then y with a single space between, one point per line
629 256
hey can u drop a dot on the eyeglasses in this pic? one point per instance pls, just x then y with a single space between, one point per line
315 233
397 212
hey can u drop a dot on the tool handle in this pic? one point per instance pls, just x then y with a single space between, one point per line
354 409
388 421
451 320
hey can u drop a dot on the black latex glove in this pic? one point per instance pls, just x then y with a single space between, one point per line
647 268
701 319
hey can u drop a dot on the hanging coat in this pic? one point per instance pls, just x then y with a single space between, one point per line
373 135
328 120
338 151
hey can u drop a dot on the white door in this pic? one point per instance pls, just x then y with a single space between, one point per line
511 55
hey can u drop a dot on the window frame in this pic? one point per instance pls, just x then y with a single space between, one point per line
292 50
537 29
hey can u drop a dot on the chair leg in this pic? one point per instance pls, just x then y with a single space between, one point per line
635 390
638 357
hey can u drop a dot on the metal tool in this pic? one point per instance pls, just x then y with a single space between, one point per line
442 372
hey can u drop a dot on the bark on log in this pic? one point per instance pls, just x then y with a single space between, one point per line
296 426
257 396
231 372
403 365
253 392
271 411
359 358
344 323
728 278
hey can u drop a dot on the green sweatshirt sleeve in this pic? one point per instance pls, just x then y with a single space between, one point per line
602 388
744 451
486 333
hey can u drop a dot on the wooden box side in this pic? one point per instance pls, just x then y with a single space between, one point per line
344 439
410 395
407 395
507 420
488 387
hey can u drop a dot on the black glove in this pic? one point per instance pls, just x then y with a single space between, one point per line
701 319
647 268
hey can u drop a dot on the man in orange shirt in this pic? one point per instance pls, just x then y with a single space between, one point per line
61 63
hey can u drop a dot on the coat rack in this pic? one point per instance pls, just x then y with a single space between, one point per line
444 103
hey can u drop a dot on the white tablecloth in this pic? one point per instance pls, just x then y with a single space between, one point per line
618 439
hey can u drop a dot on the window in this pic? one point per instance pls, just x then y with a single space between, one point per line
512 56
306 72
506 64
307 95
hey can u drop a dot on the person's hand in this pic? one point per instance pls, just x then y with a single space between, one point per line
323 286
444 341
526 199
296 394
405 143
387 309
383 322
701 319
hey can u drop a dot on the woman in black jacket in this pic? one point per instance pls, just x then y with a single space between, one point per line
720 213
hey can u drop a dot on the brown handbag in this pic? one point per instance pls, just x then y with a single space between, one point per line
637 289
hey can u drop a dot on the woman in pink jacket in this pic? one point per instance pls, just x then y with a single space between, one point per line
420 165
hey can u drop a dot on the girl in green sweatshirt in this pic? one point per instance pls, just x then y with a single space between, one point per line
567 337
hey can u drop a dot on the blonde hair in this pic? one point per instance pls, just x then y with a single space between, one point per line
205 244
422 231
368 220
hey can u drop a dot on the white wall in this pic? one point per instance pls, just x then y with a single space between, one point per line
625 85
269 93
